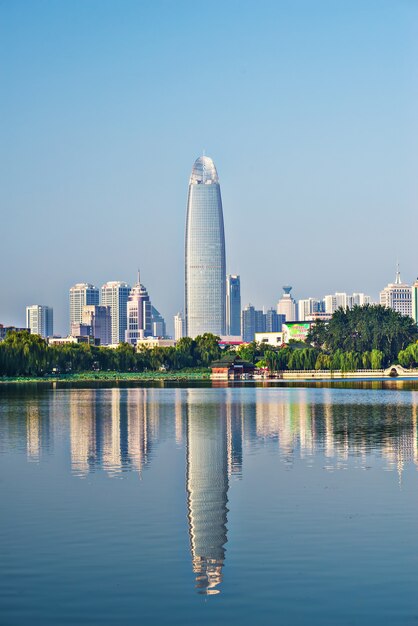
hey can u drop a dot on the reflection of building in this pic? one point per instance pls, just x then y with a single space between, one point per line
207 488
83 431
234 434
38 429
137 427
205 252
111 442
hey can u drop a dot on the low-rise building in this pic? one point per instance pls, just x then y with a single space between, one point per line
58 341
10 329
231 367
272 339
155 342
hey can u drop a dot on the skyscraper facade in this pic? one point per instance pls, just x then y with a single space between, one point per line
233 305
205 265
179 326
415 301
40 320
115 295
397 296
99 319
81 295
252 321
139 321
158 323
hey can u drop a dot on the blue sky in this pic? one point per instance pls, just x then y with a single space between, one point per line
309 110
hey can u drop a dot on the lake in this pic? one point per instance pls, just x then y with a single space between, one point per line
268 504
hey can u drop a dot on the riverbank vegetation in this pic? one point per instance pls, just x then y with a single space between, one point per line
23 354
368 337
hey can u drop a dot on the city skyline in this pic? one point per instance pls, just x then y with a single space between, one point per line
314 131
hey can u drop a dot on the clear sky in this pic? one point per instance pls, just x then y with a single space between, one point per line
308 108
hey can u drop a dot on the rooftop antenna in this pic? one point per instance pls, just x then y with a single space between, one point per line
398 274
139 281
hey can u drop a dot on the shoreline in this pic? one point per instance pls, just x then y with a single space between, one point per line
106 377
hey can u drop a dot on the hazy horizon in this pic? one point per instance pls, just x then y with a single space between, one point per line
309 111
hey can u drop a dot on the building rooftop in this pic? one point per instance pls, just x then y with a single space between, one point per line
204 172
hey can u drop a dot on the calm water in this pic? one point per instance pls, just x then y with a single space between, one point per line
280 505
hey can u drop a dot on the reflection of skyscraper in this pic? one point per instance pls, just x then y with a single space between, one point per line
137 431
234 434
205 252
82 431
207 488
111 452
38 429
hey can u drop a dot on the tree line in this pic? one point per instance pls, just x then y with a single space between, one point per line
23 354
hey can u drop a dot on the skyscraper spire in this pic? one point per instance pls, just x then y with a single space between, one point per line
398 275
139 277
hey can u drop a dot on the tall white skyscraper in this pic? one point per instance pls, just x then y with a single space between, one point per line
40 320
115 295
205 252
397 296
81 294
179 326
287 305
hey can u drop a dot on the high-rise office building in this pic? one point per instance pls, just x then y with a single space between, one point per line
179 326
157 323
252 321
81 294
360 299
138 314
115 295
397 296
233 305
273 321
40 320
308 307
287 305
342 300
99 319
205 273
